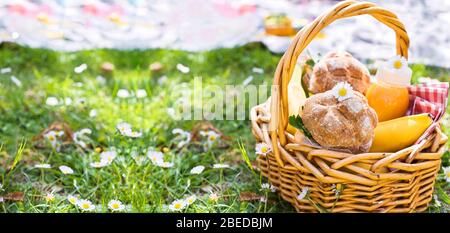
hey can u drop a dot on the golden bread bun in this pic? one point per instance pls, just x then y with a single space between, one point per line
346 125
338 67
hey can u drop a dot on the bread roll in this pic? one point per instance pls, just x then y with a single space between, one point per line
346 125
338 67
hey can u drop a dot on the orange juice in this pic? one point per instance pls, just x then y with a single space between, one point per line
388 101
389 95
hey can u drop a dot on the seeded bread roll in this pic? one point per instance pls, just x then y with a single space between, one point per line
338 67
346 125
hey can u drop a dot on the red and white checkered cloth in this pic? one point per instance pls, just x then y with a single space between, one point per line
428 97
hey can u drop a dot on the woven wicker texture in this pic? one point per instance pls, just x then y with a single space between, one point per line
342 182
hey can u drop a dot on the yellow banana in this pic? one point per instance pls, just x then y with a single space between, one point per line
296 96
396 134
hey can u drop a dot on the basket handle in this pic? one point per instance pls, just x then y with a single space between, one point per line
345 9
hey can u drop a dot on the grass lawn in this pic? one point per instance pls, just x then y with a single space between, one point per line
131 177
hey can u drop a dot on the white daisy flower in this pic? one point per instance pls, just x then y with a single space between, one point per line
247 81
72 199
170 111
337 188
99 164
80 101
139 159
263 199
303 193
257 70
16 81
182 68
273 188
220 165
123 93
267 186
155 156
51 136
5 70
342 91
162 80
108 156
184 137
437 202
213 197
80 136
211 137
85 205
135 134
79 69
164 164
50 197
116 205
447 173
100 79
397 63
191 199
59 133
262 149
141 93
197 169
85 131
333 188
43 166
65 170
177 205
68 101
124 128
93 113
51 101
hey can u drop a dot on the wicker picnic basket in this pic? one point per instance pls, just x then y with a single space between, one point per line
372 182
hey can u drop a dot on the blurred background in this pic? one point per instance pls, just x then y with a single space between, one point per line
198 25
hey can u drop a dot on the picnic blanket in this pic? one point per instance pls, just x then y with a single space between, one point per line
199 25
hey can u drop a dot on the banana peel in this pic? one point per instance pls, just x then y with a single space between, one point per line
399 133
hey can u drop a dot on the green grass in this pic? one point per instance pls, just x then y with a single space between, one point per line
144 187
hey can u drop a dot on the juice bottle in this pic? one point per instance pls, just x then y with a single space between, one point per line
388 96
